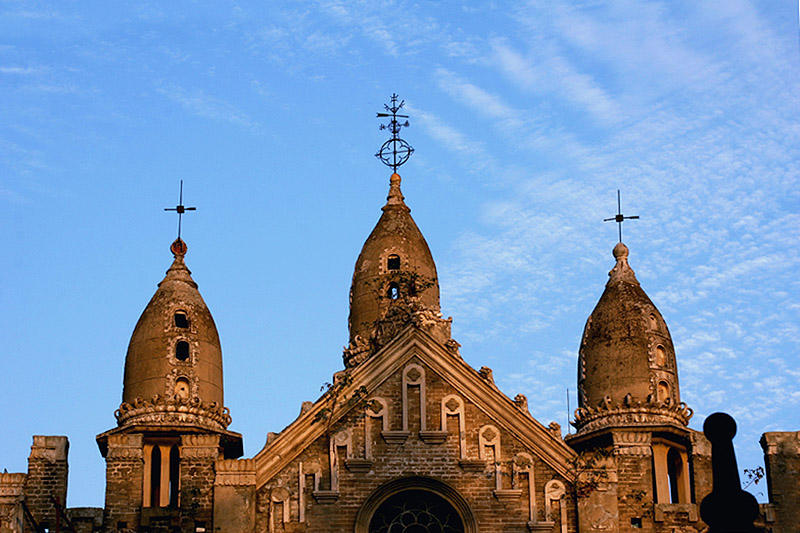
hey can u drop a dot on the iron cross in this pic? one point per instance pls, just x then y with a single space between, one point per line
618 218
180 209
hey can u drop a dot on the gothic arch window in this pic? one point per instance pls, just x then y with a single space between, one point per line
415 505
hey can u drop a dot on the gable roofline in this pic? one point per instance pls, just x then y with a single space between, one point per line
413 341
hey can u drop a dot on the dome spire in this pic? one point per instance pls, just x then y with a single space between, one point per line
394 280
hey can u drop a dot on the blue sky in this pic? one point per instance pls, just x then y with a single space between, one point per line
526 118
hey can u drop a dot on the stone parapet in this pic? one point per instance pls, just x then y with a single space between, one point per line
632 413
236 472
173 411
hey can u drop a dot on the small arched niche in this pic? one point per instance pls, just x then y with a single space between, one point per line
182 388
661 356
415 504
662 392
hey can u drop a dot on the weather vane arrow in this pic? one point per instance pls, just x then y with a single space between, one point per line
395 151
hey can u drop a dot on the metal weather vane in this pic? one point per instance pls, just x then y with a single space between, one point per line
618 218
180 209
395 151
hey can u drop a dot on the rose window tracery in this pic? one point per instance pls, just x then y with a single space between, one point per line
416 511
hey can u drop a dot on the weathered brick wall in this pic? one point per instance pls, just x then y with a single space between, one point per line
86 519
411 458
12 487
782 460
124 478
47 477
198 455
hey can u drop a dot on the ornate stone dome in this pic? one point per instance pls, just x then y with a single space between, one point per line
394 282
627 359
174 359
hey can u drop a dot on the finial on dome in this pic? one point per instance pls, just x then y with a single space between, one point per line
178 247
622 270
395 196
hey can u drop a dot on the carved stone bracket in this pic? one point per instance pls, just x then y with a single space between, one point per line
507 495
472 465
395 437
358 466
433 436
325 496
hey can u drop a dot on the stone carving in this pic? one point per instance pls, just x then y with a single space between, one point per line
554 490
486 373
521 402
632 412
173 410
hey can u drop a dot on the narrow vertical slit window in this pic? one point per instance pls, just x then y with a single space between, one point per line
155 478
174 475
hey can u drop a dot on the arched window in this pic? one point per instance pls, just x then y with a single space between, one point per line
415 504
674 473
174 475
393 262
394 291
182 351
416 511
155 477
181 320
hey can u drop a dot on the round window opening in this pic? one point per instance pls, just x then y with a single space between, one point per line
416 511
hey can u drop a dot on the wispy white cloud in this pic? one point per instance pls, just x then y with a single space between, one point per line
197 102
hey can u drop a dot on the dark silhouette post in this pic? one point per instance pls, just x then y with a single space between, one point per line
729 508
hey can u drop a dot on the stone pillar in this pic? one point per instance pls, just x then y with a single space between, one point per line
198 456
47 478
701 466
235 496
124 482
782 460
12 490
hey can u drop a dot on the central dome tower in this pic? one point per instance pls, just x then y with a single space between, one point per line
394 282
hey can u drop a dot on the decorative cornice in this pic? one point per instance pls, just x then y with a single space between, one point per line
173 411
394 321
236 473
631 412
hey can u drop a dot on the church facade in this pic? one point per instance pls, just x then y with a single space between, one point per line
408 438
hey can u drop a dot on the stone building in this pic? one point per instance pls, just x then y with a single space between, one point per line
408 438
